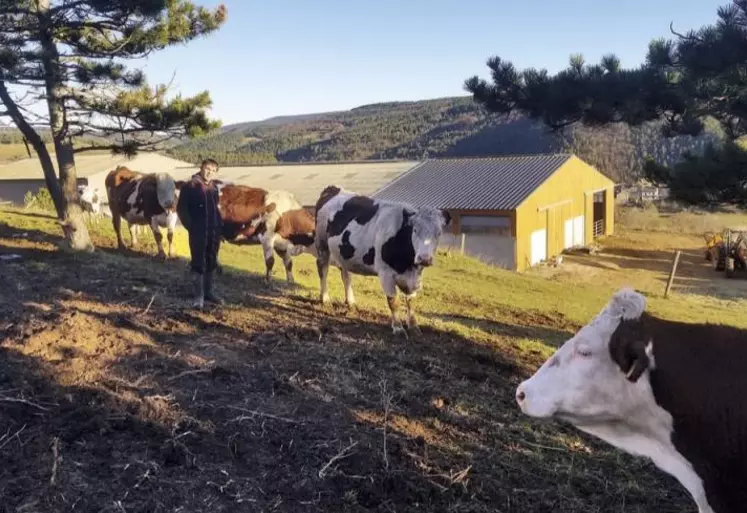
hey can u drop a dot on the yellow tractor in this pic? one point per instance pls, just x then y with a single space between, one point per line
713 241
727 251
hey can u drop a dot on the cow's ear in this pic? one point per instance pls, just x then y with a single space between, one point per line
446 216
629 348
270 208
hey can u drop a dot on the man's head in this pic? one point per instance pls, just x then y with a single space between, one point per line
208 169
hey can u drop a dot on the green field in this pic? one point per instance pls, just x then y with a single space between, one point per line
275 403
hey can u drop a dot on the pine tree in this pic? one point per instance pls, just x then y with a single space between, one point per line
696 78
69 55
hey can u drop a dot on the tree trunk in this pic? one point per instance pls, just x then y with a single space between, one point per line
50 175
71 214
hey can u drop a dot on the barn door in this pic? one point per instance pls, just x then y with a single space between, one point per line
538 242
568 234
578 231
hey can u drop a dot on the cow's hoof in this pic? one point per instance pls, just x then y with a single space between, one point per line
398 329
198 304
161 257
324 299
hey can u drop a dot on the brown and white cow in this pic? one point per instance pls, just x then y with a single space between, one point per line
245 209
143 199
291 235
671 391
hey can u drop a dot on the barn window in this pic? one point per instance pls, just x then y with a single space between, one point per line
499 225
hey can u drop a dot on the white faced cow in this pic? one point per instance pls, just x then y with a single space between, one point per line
393 241
90 201
143 199
670 391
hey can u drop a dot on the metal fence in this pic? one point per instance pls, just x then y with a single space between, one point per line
598 228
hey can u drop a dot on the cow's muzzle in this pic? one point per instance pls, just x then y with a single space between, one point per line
424 261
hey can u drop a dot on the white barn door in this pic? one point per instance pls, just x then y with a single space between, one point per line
568 234
538 249
578 231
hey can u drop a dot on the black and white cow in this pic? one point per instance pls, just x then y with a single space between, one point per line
671 391
393 241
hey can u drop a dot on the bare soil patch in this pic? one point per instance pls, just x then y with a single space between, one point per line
114 397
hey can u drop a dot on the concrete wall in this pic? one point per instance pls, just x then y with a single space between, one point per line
490 248
567 195
15 190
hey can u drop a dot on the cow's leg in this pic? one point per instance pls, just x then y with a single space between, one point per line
347 281
269 259
133 233
411 321
389 286
322 267
170 232
117 222
287 257
156 229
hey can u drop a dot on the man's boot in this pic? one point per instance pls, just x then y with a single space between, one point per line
199 299
209 294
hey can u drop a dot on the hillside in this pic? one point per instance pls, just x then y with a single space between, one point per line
453 127
115 397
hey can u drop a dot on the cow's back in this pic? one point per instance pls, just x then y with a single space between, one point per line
699 373
240 203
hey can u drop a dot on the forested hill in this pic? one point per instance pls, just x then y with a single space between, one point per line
444 127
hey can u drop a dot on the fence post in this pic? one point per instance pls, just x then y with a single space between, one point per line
671 273
461 244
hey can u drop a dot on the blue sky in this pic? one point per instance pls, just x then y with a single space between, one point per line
277 57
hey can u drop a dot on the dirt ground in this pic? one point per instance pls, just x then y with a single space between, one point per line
644 259
114 397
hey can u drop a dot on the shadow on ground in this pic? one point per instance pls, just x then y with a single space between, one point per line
114 397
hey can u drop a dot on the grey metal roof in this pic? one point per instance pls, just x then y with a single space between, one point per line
492 183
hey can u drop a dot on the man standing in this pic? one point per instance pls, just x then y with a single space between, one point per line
198 212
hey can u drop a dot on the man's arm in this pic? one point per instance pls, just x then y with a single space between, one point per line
182 206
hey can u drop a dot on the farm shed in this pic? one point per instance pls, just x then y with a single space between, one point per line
513 211
18 178
307 180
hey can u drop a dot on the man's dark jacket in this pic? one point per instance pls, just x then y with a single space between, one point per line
198 212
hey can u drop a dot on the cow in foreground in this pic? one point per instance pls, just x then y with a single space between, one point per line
393 241
247 211
143 199
670 391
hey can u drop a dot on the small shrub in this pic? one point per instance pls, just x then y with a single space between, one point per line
42 200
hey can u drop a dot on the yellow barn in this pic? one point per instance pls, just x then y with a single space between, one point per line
512 211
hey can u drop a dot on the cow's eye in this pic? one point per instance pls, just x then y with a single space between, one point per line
583 351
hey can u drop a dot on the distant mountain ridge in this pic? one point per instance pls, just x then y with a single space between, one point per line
415 130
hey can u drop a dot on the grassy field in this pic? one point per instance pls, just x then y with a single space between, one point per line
116 397
13 152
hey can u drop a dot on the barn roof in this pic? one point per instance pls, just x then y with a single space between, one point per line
491 183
